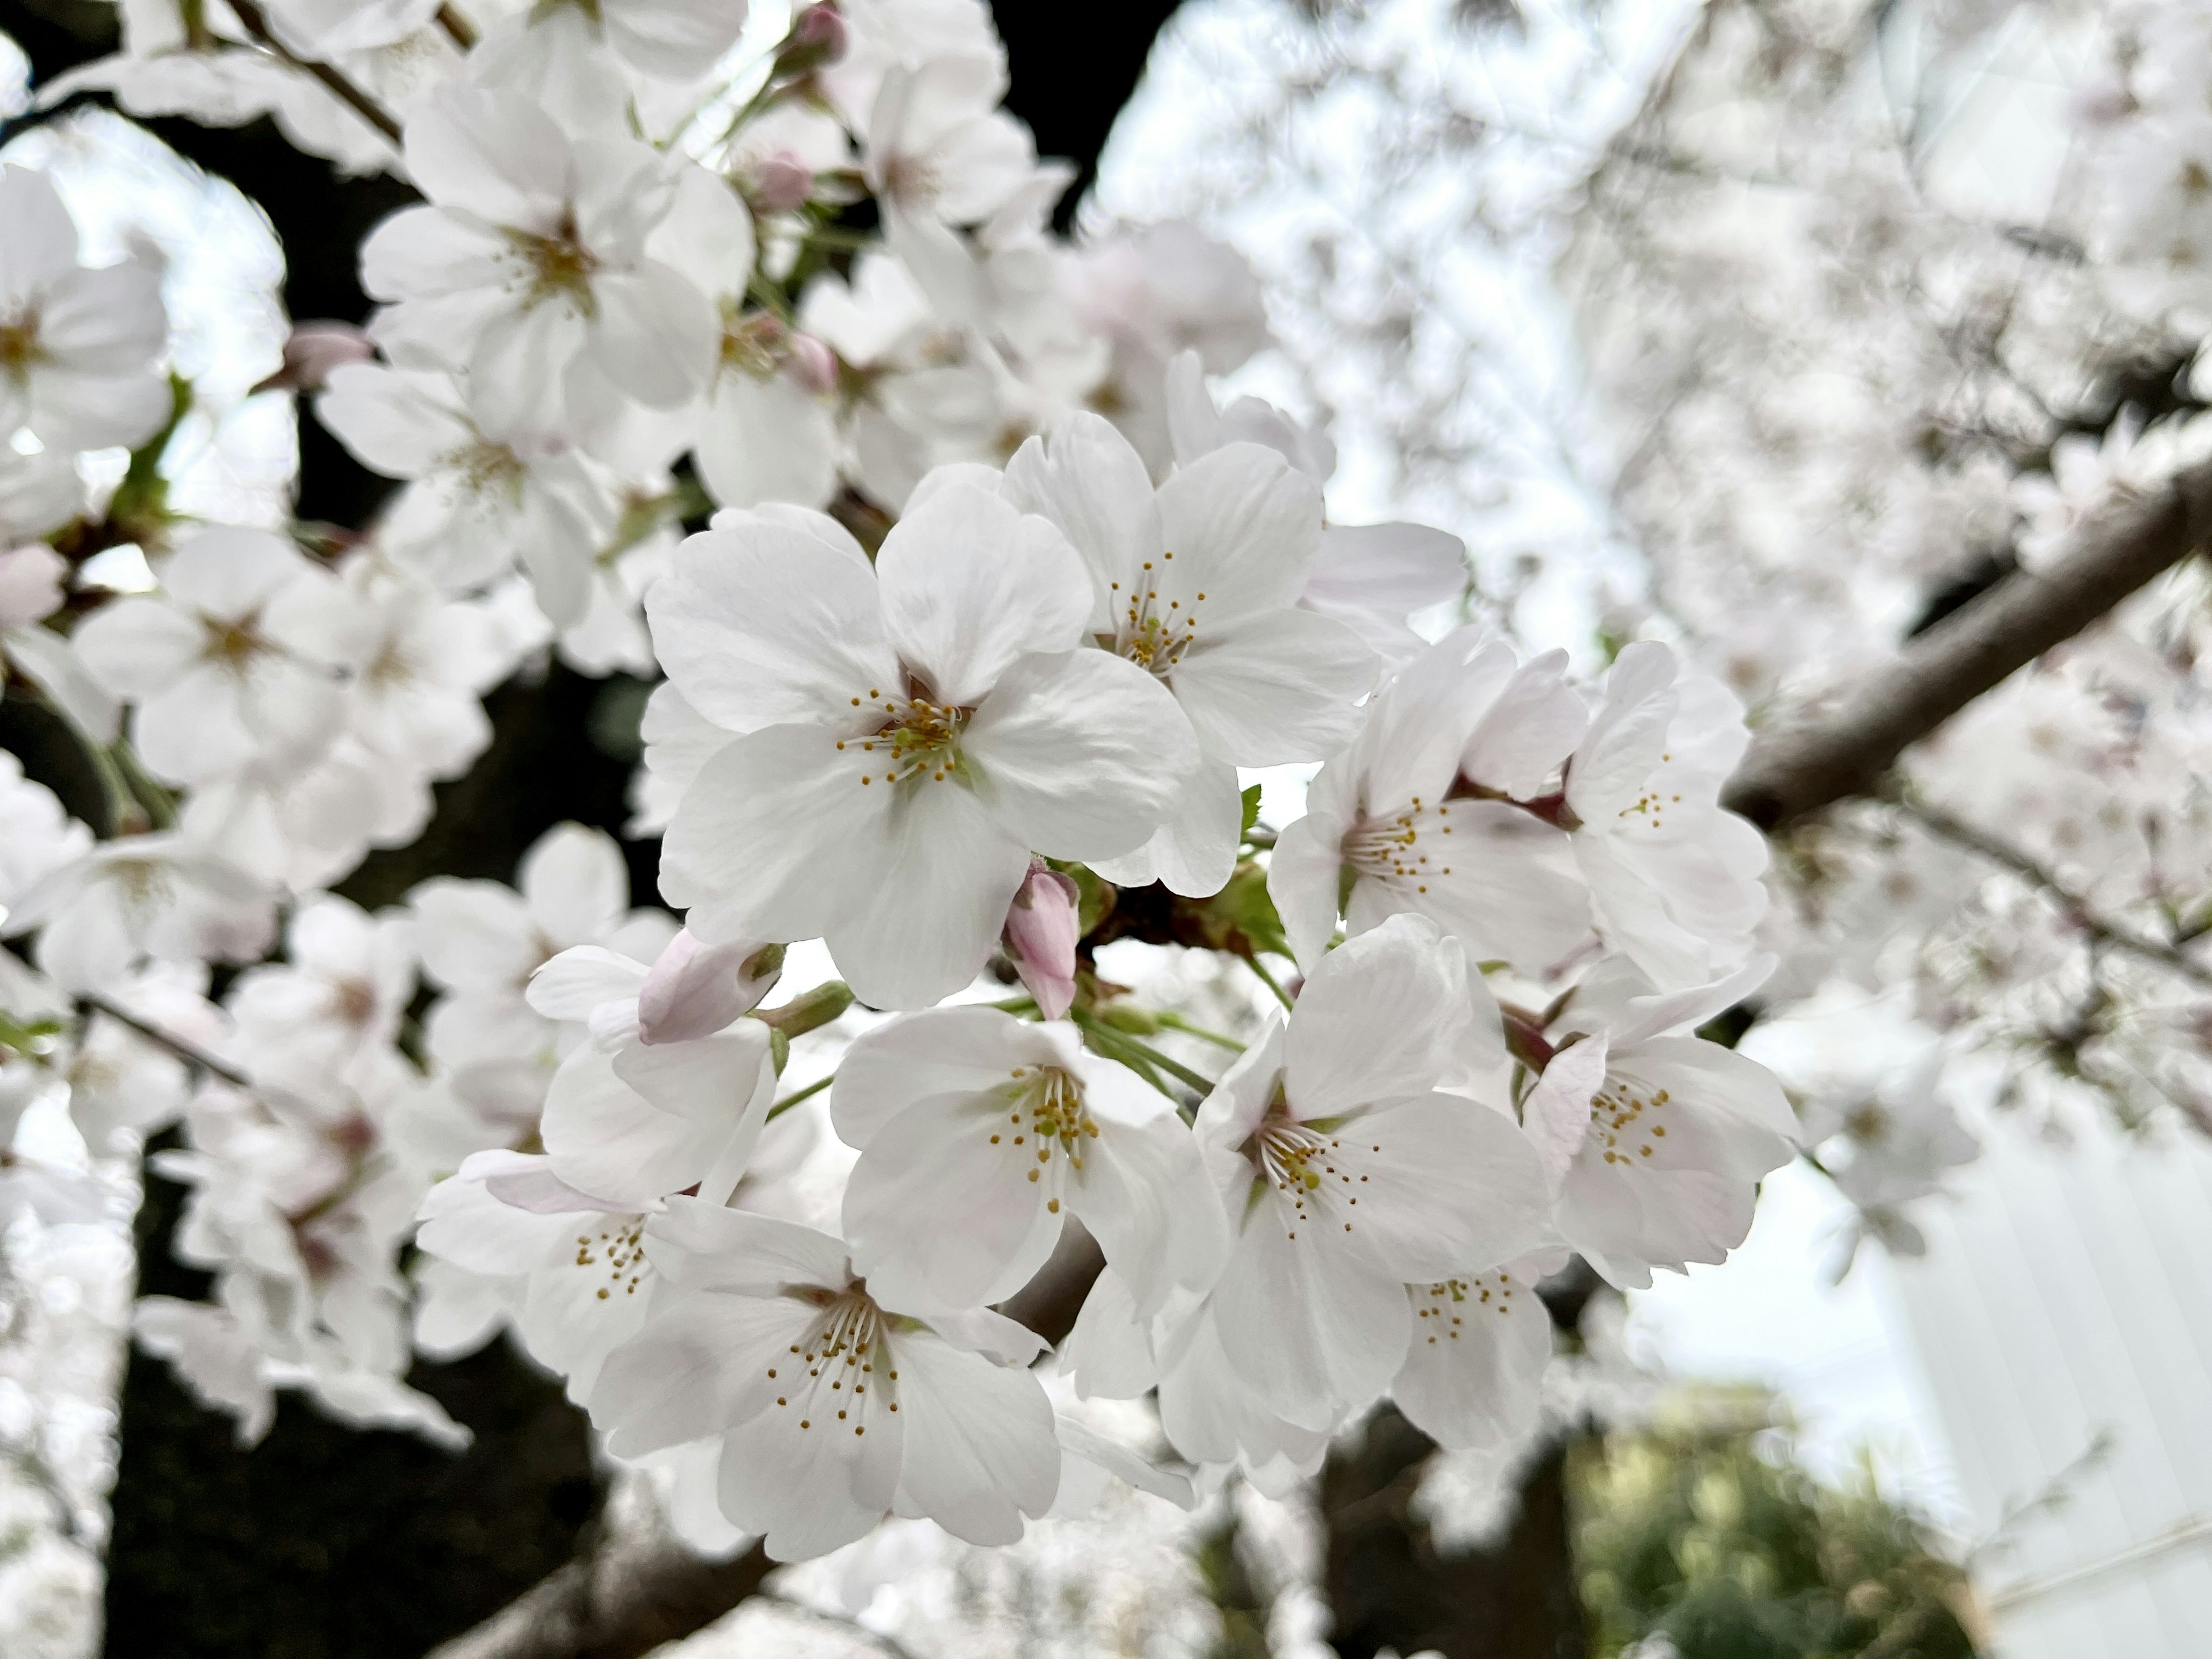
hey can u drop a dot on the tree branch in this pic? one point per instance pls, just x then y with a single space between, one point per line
341 86
191 1053
2077 909
619 1601
1801 765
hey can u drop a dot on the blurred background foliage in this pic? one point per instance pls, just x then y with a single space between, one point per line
1699 1534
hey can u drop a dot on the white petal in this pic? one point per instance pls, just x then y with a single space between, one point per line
1080 754
1275 688
1246 526
981 1448
940 872
1471 1376
942 1201
1377 1020
968 584
760 623
958 1050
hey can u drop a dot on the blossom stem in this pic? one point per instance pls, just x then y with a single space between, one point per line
183 1047
1015 1006
256 23
157 802
1151 1056
798 1095
1175 1021
809 1010
1252 961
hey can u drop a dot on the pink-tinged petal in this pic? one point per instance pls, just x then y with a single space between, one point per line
1043 927
694 990
969 584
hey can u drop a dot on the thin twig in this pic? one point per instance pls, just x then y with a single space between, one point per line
256 22
183 1047
2113 933
461 31
1268 980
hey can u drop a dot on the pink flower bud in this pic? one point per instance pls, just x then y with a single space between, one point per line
695 989
783 182
818 34
1042 929
811 363
30 584
312 352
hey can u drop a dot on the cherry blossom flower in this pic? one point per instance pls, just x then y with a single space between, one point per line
166 897
1347 1175
907 735
1476 1363
978 1134
1198 585
342 993
78 346
1654 1138
569 1268
1674 878
1044 924
639 1120
529 270
211 665
834 1407
1389 822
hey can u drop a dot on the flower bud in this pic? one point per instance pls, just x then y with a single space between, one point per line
1042 929
817 36
811 364
30 584
783 182
312 352
695 989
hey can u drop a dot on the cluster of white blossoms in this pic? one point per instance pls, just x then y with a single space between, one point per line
994 614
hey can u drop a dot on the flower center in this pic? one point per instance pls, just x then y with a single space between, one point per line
557 265
617 1252
1148 635
1398 846
831 1379
19 345
918 738
486 468
1304 1164
1625 1120
751 343
1445 1307
1048 1111
233 644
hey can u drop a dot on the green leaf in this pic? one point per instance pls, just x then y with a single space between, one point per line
1250 914
1251 808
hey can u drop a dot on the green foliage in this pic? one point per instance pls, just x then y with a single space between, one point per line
1703 1530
